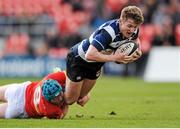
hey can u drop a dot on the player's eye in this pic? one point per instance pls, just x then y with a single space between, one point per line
129 26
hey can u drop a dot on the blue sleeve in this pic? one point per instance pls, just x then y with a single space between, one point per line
101 40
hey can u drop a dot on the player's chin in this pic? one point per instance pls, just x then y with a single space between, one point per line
128 35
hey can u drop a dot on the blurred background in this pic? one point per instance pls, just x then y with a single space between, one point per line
35 36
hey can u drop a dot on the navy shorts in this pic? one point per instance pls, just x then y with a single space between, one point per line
78 69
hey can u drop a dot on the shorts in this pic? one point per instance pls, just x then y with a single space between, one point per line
78 69
15 96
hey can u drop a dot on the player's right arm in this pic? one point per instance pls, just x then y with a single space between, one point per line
94 55
99 43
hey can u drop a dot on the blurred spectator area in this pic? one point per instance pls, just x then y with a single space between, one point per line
28 27
51 27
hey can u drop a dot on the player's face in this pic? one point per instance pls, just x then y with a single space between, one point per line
127 27
59 99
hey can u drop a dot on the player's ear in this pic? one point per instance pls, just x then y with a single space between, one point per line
120 21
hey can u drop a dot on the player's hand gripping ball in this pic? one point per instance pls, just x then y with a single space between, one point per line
127 48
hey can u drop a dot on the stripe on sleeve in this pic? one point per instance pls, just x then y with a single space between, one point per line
99 43
111 31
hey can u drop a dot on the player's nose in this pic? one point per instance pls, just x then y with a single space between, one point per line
132 30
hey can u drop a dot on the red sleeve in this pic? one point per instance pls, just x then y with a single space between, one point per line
49 110
55 114
58 76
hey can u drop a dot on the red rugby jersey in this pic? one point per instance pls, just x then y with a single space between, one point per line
35 104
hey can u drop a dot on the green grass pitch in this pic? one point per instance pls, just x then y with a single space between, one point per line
116 102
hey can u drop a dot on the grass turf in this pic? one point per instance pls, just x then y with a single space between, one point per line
116 102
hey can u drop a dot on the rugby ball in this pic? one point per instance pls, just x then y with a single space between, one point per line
127 48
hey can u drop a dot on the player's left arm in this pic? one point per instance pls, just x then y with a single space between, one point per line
138 53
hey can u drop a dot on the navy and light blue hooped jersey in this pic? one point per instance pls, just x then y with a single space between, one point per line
105 38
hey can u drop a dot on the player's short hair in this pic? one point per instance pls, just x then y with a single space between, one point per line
50 89
132 12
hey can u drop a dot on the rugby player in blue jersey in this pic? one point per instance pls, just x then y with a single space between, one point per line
85 59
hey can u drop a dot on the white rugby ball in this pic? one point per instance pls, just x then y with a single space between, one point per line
127 48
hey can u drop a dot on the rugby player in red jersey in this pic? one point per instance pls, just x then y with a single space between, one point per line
35 99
